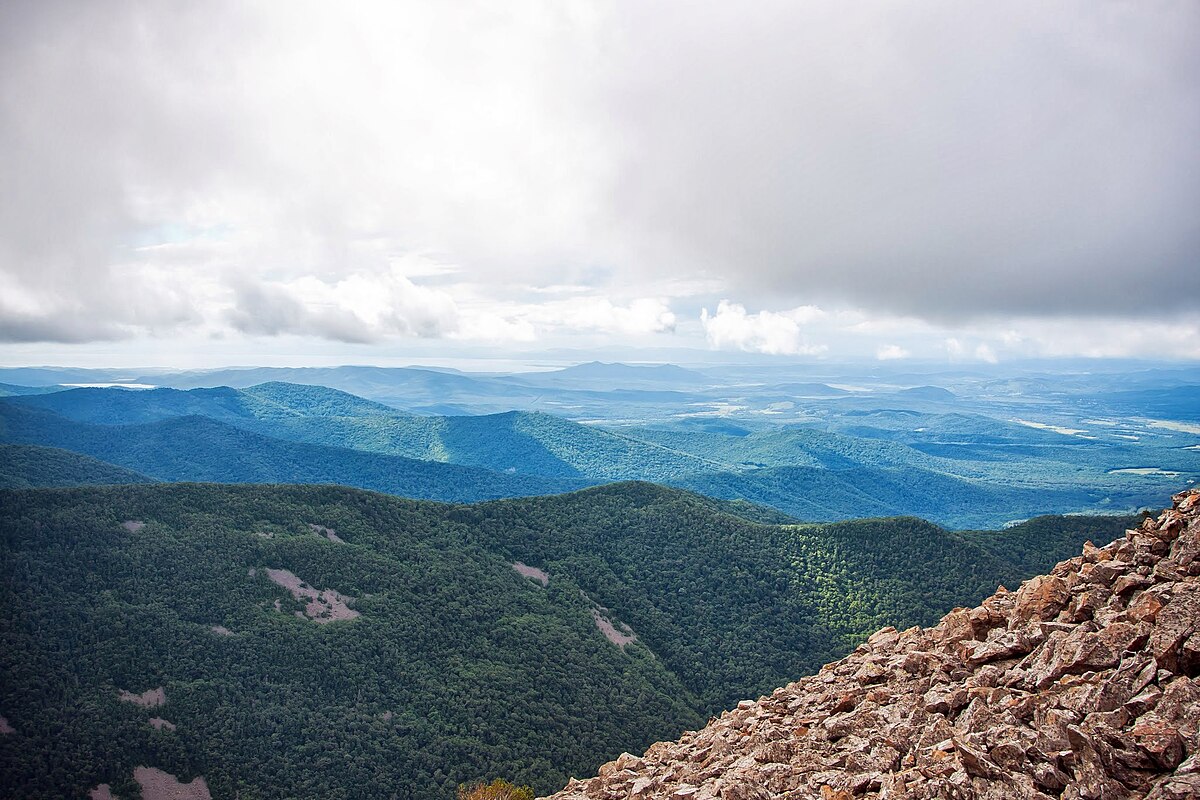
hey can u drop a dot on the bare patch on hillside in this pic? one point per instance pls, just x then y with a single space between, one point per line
532 572
133 525
159 724
101 792
264 534
618 636
159 785
151 698
328 533
5 727
322 605
613 629
221 630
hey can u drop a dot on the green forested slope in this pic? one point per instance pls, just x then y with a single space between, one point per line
815 493
274 402
13 390
204 449
736 608
31 467
525 442
458 667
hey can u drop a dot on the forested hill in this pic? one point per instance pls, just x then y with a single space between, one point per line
525 442
200 448
316 641
977 472
31 467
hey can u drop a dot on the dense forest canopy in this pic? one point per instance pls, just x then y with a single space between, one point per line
456 667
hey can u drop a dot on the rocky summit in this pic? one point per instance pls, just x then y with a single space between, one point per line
1084 683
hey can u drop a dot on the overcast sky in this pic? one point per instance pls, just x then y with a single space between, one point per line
970 181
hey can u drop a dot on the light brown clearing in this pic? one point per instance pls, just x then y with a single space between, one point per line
328 533
618 637
159 723
133 525
150 698
221 630
101 792
264 535
5 727
323 605
159 785
532 572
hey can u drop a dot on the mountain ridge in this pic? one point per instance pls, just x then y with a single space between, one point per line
201 448
807 472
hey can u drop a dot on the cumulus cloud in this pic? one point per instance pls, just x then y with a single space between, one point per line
984 352
891 352
774 333
272 310
640 316
271 170
371 307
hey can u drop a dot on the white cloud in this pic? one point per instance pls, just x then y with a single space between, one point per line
641 316
984 352
891 352
371 307
360 172
774 333
493 328
359 308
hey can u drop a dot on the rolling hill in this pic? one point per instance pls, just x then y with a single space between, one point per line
196 448
524 442
31 467
957 469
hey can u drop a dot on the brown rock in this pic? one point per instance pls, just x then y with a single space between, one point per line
1160 740
1133 675
1174 624
1041 598
1131 581
1145 608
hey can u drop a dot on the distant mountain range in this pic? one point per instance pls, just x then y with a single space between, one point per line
959 469
1062 391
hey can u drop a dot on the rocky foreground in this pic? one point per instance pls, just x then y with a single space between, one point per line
1084 683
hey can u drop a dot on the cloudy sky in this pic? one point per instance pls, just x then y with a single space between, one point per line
209 183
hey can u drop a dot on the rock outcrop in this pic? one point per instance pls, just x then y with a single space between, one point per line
1082 684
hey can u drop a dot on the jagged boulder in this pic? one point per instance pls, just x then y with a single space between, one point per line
1083 684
